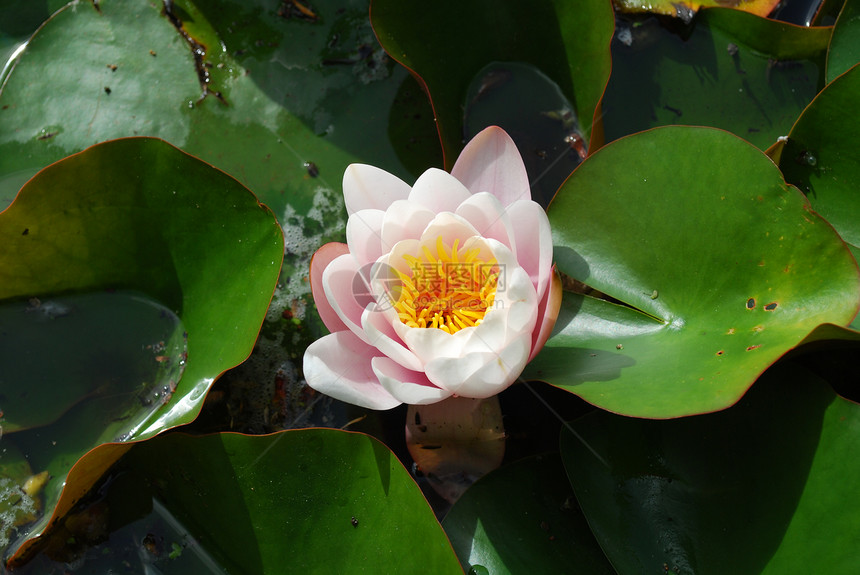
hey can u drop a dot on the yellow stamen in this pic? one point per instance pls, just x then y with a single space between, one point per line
451 289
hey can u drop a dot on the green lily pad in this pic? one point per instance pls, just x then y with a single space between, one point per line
447 50
134 214
844 49
717 259
309 501
300 99
539 528
732 70
767 487
294 93
816 156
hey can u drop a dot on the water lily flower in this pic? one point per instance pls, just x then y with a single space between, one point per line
443 289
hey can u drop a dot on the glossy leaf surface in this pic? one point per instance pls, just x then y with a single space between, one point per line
134 214
732 70
538 529
774 479
310 501
293 91
720 269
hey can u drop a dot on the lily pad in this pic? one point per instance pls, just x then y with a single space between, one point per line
716 258
844 49
447 50
292 92
773 479
266 504
290 100
538 529
731 70
134 214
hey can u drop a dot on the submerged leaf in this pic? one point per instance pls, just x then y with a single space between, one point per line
729 70
447 50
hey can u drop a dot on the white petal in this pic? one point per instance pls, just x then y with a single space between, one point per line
395 258
429 343
439 191
449 227
404 220
487 215
481 374
410 387
533 242
381 335
364 235
339 365
520 300
368 187
491 163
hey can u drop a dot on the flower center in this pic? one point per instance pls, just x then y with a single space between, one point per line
450 290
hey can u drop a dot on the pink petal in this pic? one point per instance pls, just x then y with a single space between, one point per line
319 262
438 191
339 365
533 242
368 187
491 163
364 235
547 314
404 220
486 213
408 386
347 292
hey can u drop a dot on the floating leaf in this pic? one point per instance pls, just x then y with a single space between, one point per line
134 214
717 258
293 91
523 518
266 504
774 479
